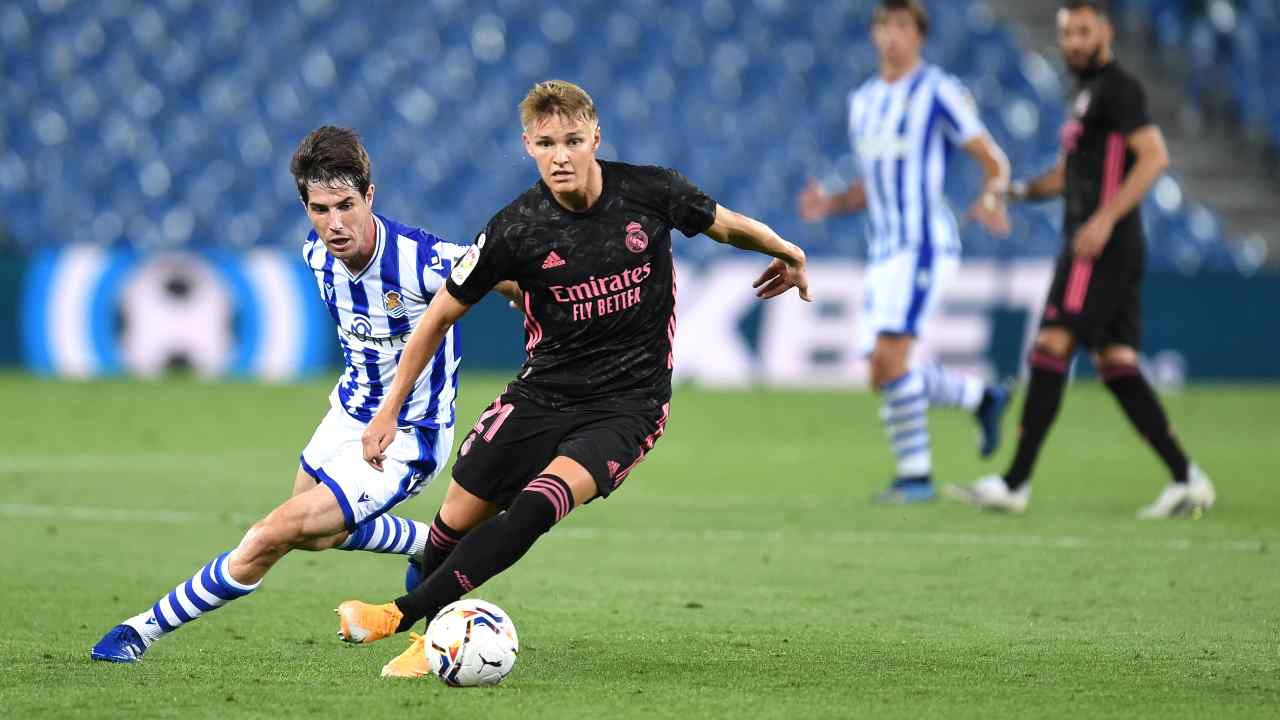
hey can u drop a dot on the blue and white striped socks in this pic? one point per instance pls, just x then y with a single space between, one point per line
906 419
948 388
388 534
210 588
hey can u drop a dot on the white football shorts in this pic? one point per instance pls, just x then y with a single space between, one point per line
335 457
901 292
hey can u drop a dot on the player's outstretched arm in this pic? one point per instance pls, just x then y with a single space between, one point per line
1047 186
815 204
440 315
989 209
788 268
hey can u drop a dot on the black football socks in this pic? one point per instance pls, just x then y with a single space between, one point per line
491 547
441 540
1044 397
1140 403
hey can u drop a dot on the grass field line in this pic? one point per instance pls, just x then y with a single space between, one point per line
117 462
155 516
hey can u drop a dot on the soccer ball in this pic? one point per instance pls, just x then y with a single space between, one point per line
471 642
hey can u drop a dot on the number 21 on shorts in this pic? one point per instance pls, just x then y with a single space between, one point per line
498 413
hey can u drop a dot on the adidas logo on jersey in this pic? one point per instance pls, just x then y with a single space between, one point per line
553 261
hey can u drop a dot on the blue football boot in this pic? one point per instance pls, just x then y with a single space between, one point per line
121 644
907 491
995 401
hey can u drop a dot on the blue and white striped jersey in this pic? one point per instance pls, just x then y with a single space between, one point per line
903 134
376 309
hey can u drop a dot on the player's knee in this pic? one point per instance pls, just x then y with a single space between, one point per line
1056 342
272 537
1116 356
885 368
889 359
462 510
260 546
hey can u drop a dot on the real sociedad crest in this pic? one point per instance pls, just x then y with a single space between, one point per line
393 305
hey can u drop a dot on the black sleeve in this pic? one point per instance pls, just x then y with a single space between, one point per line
1128 104
688 209
485 264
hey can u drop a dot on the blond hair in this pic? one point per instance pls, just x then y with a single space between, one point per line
557 97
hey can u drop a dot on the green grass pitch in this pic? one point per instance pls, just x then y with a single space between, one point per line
740 572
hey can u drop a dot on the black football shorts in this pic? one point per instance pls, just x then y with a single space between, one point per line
515 439
1099 300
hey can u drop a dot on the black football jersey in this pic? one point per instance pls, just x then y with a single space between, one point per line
599 285
1106 107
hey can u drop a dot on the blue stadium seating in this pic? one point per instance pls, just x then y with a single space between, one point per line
170 123
1229 44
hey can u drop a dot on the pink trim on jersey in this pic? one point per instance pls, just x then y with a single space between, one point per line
531 326
649 442
553 491
1045 361
1078 285
671 322
1113 168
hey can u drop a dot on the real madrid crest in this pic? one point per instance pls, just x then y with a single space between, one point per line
637 238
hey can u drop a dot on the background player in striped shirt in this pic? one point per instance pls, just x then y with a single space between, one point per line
903 125
376 276
1111 154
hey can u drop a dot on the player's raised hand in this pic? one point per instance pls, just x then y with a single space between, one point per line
780 277
814 204
377 437
991 212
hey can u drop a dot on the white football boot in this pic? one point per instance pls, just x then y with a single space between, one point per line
991 493
1189 498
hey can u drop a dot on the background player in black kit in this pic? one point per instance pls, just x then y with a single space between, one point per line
590 247
1111 155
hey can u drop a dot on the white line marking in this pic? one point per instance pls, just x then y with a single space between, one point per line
47 463
716 536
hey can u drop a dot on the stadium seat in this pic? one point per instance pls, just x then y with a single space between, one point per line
170 110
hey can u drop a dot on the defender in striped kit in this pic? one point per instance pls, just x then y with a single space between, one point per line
904 124
376 276
1111 154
